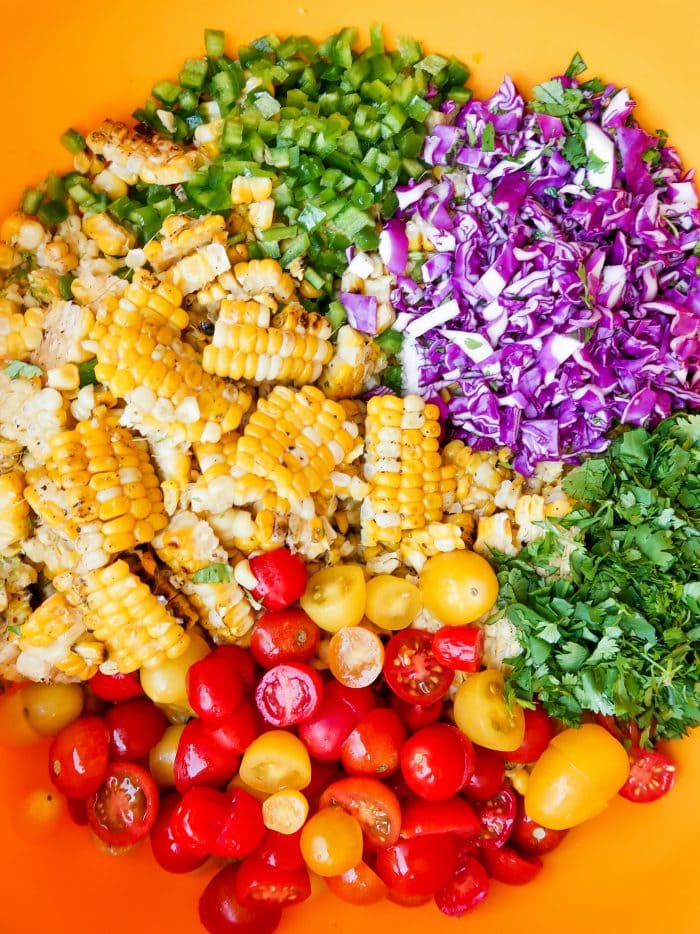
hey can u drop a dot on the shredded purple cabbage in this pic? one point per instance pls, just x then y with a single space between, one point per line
554 303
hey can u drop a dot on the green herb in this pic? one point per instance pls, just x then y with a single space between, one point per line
488 138
17 369
551 97
216 573
87 372
15 630
575 66
65 283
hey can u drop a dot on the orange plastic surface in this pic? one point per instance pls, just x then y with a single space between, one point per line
635 868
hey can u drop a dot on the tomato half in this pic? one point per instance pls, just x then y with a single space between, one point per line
289 693
417 867
652 775
506 865
372 803
135 726
197 819
538 733
436 762
451 816
259 883
280 576
531 838
124 808
497 817
459 647
281 849
359 700
325 733
411 669
116 687
336 596
358 886
355 656
331 842
467 888
221 913
284 636
482 714
202 758
488 776
78 757
276 760
167 850
215 686
374 745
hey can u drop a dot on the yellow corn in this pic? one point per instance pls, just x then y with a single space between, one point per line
9 257
65 378
174 467
14 511
420 544
43 285
30 415
132 156
194 272
479 476
261 214
221 485
23 231
59 629
148 297
495 533
250 189
65 326
110 184
353 363
110 237
56 256
181 235
20 333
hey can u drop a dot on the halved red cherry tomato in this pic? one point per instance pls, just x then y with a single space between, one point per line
259 883
374 745
459 647
370 802
197 819
243 829
506 865
168 851
497 817
411 669
488 776
415 716
359 700
221 913
652 775
116 687
241 661
124 808
436 762
358 886
289 694
452 815
538 733
417 867
236 733
135 726
285 636
281 578
531 838
215 686
78 757
281 849
77 808
325 733
202 758
467 888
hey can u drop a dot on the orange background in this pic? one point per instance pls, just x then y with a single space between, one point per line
634 869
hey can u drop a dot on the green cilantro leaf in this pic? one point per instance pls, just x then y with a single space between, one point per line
17 369
552 98
216 573
575 66
488 138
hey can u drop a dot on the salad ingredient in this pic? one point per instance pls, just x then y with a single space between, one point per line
166 683
488 774
531 838
285 636
285 811
124 808
415 716
467 888
652 775
336 597
496 817
359 700
167 851
281 850
221 913
392 602
78 757
482 713
412 671
257 882
446 816
331 842
243 829
280 576
576 777
436 762
116 687
289 693
417 866
458 587
459 647
374 746
355 656
15 729
538 733
325 732
358 886
274 761
51 707
237 732
372 803
135 726
161 759
203 756
214 686
506 865
198 818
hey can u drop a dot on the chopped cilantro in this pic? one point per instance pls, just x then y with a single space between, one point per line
488 138
216 573
17 369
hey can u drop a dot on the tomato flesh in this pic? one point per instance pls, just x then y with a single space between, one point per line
370 802
284 636
652 775
124 808
78 757
259 883
288 694
221 913
281 578
411 669
467 888
497 817
506 865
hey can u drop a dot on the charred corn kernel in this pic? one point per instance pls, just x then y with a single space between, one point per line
20 333
263 277
110 184
30 415
65 378
123 613
57 256
261 214
23 231
194 272
355 360
14 511
111 238
495 533
479 476
154 160
56 633
246 190
420 544
182 235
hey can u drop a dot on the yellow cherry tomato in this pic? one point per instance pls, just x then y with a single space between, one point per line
274 761
237 782
285 811
167 683
331 842
576 777
161 759
51 707
392 603
15 729
458 587
355 656
39 813
481 713
336 597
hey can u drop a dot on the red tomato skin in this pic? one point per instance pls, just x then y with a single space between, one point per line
284 636
412 671
281 578
436 762
488 776
243 830
240 661
418 866
77 808
221 913
530 838
467 888
497 818
259 883
325 733
359 700
289 694
167 851
538 733
78 757
406 900
135 726
281 850
374 745
214 687
236 733
370 802
116 688
98 804
198 818
459 647
652 775
506 865
358 886
202 758
451 816
416 716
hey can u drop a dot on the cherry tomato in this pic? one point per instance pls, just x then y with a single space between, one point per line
51 707
281 578
576 777
374 745
323 774
281 849
285 811
436 762
331 842
167 850
214 686
359 700
237 732
497 818
458 587
372 803
198 818
286 636
161 759
15 729
221 913
412 671
135 726
355 656
325 733
481 712
77 808
417 867
459 647
392 603
415 716
336 597
240 661
274 761
124 808
116 687
289 694
358 886
202 758
506 865
243 829
167 683
259 883
531 838
652 775
453 816
78 757
406 900
538 733
488 776
467 888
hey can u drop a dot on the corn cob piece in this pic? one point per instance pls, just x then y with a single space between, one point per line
246 346
55 636
14 511
135 628
30 415
56 255
495 533
479 475
355 361
220 486
194 272
420 544
20 332
65 326
188 545
174 466
147 297
111 238
132 155
50 549
180 236
260 280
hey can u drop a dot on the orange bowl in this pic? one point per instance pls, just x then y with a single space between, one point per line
634 868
